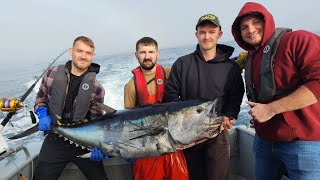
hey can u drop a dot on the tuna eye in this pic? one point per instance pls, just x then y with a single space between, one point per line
199 109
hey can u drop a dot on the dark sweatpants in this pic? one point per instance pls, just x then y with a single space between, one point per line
210 159
56 153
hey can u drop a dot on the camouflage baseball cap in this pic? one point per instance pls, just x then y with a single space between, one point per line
209 17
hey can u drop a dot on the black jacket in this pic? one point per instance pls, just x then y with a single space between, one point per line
192 77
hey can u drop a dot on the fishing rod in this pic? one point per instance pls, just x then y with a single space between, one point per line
13 105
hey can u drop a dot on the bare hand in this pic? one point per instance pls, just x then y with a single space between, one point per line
227 124
260 112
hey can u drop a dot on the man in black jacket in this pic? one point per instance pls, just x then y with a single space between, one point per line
208 73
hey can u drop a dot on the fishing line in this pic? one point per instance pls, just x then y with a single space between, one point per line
24 96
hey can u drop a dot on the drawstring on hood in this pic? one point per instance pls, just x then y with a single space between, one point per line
253 8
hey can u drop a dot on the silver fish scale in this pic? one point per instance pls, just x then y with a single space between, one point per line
150 131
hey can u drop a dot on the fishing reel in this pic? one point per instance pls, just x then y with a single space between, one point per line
10 105
13 105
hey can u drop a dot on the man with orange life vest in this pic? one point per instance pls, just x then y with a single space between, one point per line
147 87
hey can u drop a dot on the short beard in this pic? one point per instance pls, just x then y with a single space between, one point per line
84 68
147 67
256 43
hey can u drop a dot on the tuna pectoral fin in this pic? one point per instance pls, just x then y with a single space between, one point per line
152 132
105 108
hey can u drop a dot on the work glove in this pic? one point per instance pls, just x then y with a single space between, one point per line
241 60
45 120
96 155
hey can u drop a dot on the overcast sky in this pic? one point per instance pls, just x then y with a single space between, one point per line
37 30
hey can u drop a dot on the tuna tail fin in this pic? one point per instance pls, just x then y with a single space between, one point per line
152 132
26 132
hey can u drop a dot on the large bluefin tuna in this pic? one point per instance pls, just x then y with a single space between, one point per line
151 131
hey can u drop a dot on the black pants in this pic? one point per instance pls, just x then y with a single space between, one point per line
210 159
54 155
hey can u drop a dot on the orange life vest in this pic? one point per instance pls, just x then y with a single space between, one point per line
166 167
143 97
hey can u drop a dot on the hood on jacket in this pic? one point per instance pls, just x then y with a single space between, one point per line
253 8
92 68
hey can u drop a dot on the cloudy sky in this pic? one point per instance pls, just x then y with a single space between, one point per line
37 30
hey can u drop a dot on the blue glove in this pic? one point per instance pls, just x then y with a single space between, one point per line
96 155
45 120
131 160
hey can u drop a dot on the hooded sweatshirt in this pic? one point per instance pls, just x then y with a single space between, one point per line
192 77
296 63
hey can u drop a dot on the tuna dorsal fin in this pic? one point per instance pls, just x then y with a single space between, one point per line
105 108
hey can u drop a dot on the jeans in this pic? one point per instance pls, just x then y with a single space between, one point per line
301 159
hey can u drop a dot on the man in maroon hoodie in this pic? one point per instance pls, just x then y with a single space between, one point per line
282 77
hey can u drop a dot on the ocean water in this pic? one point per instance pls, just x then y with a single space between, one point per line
114 74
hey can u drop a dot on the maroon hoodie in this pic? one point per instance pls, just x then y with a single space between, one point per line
297 62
